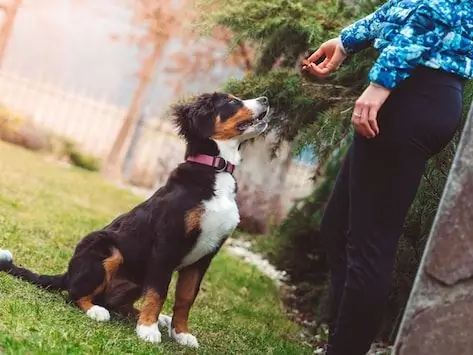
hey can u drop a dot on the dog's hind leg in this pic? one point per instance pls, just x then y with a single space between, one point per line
89 275
119 296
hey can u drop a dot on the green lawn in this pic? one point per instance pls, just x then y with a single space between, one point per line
45 209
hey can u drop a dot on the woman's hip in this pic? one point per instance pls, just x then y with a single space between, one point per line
424 111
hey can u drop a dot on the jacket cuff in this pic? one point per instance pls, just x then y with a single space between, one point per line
353 42
345 41
342 47
388 79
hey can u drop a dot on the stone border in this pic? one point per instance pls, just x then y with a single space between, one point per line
439 314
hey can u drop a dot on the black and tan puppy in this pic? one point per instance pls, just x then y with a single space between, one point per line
180 228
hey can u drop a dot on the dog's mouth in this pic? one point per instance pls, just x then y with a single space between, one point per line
263 115
259 121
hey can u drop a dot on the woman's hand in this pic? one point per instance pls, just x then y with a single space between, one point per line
365 114
334 57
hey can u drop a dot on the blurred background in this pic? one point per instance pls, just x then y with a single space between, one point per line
89 82
80 69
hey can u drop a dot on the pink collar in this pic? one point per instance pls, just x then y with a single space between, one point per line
218 163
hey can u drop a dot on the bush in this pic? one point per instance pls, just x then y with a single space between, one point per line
17 129
313 114
84 161
298 249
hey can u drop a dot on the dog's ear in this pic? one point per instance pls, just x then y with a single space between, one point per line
180 113
196 119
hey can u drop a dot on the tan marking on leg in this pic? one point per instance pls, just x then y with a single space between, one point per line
228 129
186 292
193 218
121 295
152 305
85 303
110 265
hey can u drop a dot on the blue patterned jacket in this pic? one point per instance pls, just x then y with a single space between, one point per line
408 33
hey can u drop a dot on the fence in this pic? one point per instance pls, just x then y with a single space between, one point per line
70 115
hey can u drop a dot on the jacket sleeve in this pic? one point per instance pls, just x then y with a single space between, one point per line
360 34
426 28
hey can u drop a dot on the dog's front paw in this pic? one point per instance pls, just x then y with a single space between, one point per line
185 339
98 313
149 333
165 322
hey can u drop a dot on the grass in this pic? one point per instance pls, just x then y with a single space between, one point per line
45 209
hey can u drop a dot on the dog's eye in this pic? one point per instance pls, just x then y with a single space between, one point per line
233 101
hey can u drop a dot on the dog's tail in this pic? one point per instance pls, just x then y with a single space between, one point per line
51 282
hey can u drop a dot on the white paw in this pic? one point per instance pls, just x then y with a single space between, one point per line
165 322
6 255
149 333
98 313
185 339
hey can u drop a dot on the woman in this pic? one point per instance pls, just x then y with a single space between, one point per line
408 113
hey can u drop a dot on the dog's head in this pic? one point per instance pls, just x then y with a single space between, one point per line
222 117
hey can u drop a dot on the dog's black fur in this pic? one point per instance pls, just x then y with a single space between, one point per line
147 244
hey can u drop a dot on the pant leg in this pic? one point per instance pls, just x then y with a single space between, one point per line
334 228
379 202
384 175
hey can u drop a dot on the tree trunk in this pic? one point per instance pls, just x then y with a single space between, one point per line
10 14
112 167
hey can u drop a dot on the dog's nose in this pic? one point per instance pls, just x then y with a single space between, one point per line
263 100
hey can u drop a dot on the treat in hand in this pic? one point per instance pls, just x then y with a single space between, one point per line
305 64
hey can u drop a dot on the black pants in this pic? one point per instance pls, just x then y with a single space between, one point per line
374 190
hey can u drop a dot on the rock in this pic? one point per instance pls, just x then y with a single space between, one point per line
242 250
451 257
445 329
439 315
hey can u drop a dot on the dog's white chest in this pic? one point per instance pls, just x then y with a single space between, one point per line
219 219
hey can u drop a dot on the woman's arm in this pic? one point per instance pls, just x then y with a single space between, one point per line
360 34
352 39
425 30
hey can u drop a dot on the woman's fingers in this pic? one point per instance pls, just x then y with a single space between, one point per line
373 120
334 57
324 63
336 60
356 120
360 120
318 71
329 65
317 54
365 114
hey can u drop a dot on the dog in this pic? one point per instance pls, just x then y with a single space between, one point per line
181 227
